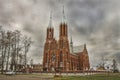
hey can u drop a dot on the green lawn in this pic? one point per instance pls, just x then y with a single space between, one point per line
110 76
38 76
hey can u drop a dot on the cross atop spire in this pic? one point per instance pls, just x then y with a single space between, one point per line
50 23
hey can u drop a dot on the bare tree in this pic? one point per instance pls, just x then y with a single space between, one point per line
3 50
27 42
16 48
115 69
12 45
9 36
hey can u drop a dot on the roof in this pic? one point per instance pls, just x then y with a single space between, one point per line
77 49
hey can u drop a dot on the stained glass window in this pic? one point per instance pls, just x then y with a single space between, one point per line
61 59
53 57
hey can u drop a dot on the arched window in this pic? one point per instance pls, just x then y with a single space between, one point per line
61 57
46 57
53 57
67 56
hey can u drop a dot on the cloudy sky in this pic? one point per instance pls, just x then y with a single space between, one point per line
94 22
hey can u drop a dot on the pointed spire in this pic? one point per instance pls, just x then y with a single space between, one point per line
84 46
85 49
71 40
63 15
50 23
71 45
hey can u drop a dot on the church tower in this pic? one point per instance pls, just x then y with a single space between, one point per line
63 44
50 48
86 65
50 30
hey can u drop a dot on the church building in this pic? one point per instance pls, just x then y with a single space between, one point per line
61 55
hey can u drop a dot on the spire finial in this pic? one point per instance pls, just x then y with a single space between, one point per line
71 45
84 46
50 23
71 38
63 15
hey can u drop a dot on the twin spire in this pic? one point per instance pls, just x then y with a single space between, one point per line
63 18
63 15
50 23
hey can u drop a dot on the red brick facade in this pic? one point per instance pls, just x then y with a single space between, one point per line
58 54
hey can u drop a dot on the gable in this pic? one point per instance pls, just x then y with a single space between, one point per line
77 49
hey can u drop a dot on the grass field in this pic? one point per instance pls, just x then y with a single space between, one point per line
92 77
105 76
27 77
